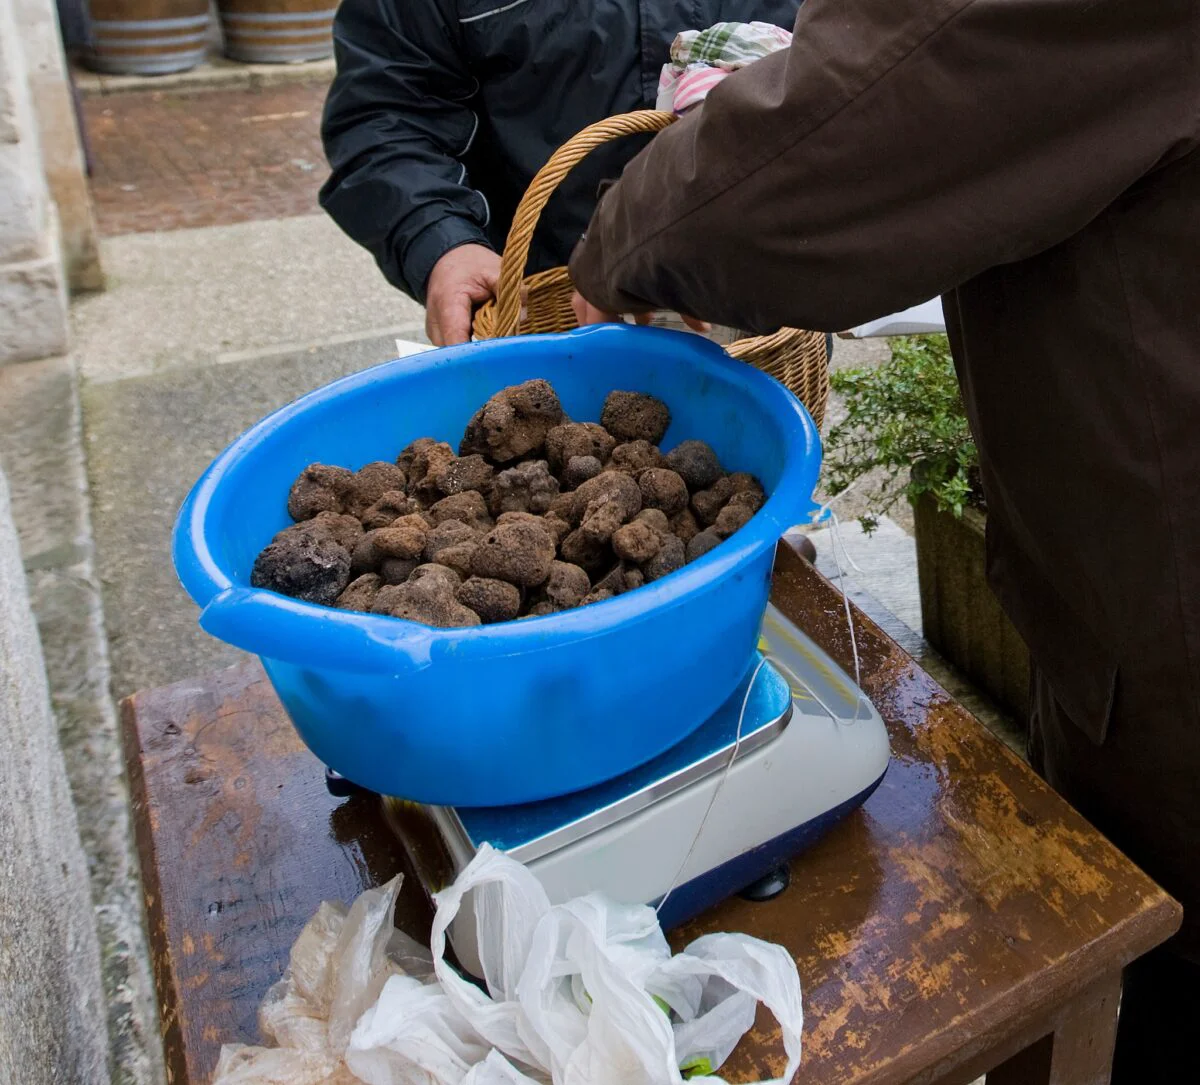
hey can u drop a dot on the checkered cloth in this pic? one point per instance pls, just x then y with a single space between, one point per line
700 59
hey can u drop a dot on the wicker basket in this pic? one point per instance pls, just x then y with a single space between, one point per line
542 302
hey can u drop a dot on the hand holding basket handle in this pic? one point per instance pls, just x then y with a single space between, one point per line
545 302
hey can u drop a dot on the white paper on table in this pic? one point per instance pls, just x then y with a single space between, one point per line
407 347
924 319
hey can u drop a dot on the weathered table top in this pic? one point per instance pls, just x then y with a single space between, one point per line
965 893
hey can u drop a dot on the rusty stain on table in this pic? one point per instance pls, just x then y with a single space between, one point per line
952 917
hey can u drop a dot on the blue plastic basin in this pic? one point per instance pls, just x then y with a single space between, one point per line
524 710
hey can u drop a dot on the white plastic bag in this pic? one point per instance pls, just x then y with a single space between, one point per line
582 993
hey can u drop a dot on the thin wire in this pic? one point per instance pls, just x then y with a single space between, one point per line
737 743
837 542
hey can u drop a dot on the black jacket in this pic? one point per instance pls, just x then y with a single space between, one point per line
443 110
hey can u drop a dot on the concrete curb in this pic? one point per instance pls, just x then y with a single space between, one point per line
217 73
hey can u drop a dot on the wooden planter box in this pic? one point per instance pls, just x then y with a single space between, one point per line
962 617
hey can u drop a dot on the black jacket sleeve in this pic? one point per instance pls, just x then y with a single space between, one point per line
397 123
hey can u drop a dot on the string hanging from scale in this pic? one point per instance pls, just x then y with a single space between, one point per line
838 543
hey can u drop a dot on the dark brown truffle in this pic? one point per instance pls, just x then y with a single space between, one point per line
588 554
566 585
460 557
319 488
565 442
514 422
636 542
342 529
604 503
696 463
632 416
468 508
466 473
520 553
404 538
528 487
429 463
635 457
656 518
492 600
360 593
371 482
305 566
598 596
448 533
540 610
432 571
733 517
672 556
663 489
431 603
747 499
614 581
397 570
684 526
391 506
702 543
579 469
405 460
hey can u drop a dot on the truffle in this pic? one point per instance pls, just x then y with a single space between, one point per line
371 482
635 457
520 553
432 603
663 489
572 439
319 488
360 593
466 473
670 557
633 416
429 463
447 533
684 526
702 543
492 600
637 541
468 508
588 554
732 518
342 529
404 538
656 518
305 566
566 585
696 463
432 571
579 469
390 506
513 423
598 596
397 570
604 503
528 487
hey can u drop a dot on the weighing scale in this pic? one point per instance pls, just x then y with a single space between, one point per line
813 748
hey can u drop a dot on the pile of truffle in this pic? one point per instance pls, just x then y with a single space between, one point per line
533 515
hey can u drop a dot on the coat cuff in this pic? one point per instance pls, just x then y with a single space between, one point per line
431 244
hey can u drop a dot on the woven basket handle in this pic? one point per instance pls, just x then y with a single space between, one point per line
548 178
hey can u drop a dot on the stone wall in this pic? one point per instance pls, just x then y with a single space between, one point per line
58 135
33 297
52 1016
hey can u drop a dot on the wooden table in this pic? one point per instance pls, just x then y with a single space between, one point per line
964 920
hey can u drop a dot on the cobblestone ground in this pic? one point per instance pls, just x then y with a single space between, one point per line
163 161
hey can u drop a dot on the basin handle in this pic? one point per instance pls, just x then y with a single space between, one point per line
267 624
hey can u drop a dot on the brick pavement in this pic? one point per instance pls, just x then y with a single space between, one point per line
164 161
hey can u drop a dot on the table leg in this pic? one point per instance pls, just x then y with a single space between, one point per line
1079 1051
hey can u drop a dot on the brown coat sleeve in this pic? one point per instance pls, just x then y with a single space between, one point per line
896 150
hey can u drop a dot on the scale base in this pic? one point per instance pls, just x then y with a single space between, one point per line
812 750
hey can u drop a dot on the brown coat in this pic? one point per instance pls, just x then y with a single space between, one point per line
1036 162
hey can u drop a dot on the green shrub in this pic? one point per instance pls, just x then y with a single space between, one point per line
905 417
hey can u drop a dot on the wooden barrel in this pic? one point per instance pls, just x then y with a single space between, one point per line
147 37
277 31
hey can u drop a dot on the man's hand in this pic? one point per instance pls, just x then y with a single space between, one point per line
586 313
462 279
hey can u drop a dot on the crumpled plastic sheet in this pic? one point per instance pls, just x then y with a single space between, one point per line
582 993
